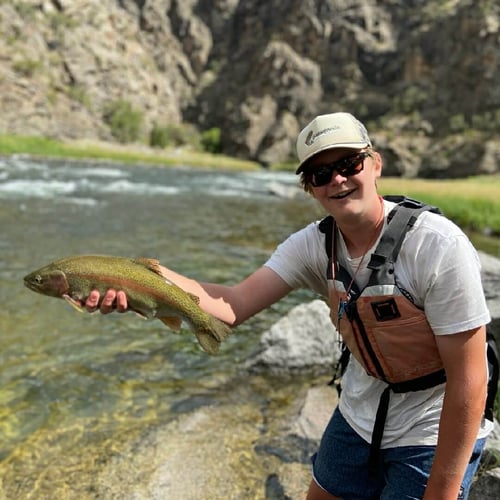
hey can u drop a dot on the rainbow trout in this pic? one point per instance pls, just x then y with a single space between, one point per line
148 292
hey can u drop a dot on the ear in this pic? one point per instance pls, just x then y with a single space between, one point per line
377 166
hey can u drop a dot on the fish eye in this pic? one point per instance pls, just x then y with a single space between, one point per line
38 279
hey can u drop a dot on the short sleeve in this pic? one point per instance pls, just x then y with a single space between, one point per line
301 260
444 272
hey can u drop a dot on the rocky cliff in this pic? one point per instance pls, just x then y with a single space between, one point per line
422 74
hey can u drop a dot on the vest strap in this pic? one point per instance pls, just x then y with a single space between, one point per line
378 428
418 384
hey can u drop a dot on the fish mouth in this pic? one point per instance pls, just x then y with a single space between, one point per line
29 284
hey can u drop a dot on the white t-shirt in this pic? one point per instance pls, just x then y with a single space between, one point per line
440 268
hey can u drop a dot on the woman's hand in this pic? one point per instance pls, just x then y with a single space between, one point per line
112 301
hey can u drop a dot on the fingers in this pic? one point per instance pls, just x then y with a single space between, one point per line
121 302
107 304
111 301
92 301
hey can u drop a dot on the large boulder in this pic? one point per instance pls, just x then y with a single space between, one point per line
304 340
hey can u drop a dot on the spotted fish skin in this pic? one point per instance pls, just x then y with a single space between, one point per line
148 292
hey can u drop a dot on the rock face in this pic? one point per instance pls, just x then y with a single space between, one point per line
418 73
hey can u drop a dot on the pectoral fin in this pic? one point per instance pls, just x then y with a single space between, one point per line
172 322
73 303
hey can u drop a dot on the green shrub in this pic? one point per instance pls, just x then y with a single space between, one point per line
411 98
178 135
211 141
174 135
124 121
458 123
158 137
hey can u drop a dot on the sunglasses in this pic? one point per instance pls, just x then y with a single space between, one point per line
346 167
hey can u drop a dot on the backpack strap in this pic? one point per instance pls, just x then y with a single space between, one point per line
493 374
399 221
327 226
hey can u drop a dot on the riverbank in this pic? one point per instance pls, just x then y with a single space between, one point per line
40 147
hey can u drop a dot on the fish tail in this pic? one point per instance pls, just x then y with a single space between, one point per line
211 335
219 330
207 342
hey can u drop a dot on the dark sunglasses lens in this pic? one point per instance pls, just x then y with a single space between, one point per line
345 167
352 166
322 175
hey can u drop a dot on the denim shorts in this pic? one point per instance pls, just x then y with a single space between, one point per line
340 466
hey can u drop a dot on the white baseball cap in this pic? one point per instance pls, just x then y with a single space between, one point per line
335 130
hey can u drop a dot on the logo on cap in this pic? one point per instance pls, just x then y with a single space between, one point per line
311 136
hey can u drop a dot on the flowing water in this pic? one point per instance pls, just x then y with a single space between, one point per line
69 381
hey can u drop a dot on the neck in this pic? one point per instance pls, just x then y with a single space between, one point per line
360 236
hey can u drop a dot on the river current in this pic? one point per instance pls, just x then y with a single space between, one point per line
69 381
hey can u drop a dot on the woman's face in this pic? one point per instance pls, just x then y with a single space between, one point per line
346 196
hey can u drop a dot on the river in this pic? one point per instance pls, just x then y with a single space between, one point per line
69 381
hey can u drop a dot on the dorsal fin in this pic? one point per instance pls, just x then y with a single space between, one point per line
151 264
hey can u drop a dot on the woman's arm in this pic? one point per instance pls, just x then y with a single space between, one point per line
464 359
231 304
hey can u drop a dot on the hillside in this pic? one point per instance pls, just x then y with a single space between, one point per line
423 75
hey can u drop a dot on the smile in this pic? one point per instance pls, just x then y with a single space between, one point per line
339 196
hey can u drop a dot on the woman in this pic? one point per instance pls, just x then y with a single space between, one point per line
432 438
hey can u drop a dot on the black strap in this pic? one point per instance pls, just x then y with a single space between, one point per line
327 226
418 384
493 375
378 428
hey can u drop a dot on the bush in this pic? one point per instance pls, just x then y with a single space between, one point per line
178 135
158 137
173 135
211 141
124 122
458 123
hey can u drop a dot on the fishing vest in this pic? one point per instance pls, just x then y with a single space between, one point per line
380 325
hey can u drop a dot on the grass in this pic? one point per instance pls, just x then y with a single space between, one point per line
473 203
136 153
